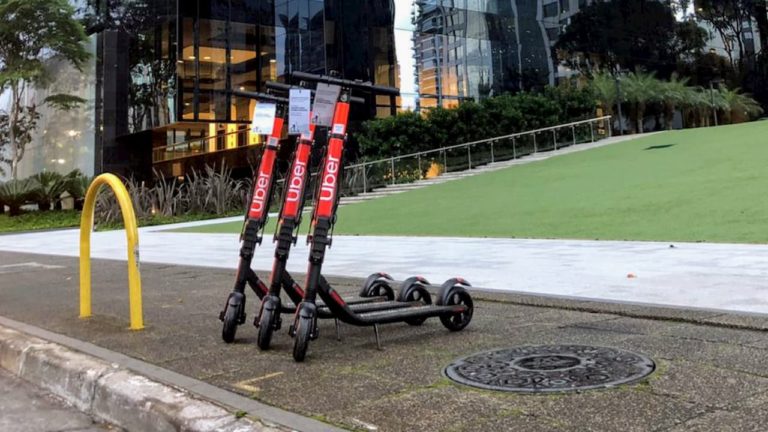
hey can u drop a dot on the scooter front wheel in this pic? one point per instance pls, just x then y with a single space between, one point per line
266 328
231 316
302 335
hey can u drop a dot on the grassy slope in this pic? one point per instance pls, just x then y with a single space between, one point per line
708 184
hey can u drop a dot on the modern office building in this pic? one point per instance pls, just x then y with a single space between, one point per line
164 71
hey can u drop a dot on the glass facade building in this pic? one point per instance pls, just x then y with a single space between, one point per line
167 69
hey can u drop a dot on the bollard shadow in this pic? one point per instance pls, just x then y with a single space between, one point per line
660 146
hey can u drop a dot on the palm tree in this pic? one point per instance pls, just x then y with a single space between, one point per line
673 96
641 89
604 87
736 106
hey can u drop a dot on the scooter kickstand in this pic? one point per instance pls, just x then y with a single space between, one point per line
378 338
338 329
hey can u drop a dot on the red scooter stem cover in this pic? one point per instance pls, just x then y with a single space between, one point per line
263 180
329 180
297 178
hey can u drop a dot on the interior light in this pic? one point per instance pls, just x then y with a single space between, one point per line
242 88
272 61
207 58
191 57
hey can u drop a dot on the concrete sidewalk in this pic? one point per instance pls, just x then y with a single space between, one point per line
711 373
26 408
715 276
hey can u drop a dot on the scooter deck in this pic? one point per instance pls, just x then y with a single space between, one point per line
398 315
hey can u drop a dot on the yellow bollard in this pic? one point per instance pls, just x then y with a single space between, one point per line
132 234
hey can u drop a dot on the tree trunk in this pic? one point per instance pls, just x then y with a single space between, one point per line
632 116
761 16
669 115
640 116
12 131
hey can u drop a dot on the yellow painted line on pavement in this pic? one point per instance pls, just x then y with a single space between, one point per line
247 384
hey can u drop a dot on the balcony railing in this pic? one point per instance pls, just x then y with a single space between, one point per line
198 146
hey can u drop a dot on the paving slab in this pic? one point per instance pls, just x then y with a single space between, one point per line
706 371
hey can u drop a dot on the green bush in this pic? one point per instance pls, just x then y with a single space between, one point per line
16 193
50 186
411 132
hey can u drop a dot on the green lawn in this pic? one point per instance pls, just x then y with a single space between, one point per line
695 185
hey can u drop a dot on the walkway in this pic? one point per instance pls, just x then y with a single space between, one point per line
716 276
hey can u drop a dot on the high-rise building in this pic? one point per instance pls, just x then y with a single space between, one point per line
165 73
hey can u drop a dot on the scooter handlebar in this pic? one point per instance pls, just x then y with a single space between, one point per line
286 87
259 96
346 83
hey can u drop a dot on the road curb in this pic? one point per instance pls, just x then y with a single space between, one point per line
114 393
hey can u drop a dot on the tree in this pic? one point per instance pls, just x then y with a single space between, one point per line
628 34
673 95
33 32
604 87
729 19
737 107
641 89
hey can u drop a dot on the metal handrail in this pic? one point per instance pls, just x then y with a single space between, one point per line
463 145
193 140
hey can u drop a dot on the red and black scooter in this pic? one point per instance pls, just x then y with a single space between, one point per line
454 304
376 292
374 289
255 220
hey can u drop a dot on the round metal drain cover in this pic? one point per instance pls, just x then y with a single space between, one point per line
550 368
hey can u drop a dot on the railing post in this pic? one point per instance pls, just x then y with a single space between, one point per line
514 148
365 179
554 138
492 151
469 157
393 169
445 161
420 171
592 131
573 130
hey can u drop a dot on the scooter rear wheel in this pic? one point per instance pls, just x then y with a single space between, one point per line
379 288
413 290
454 294
303 328
370 280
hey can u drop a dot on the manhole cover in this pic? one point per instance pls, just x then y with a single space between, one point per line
550 368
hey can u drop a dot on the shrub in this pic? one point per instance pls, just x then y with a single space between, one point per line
16 193
411 132
50 186
77 187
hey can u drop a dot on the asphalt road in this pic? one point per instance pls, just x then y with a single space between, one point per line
711 372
